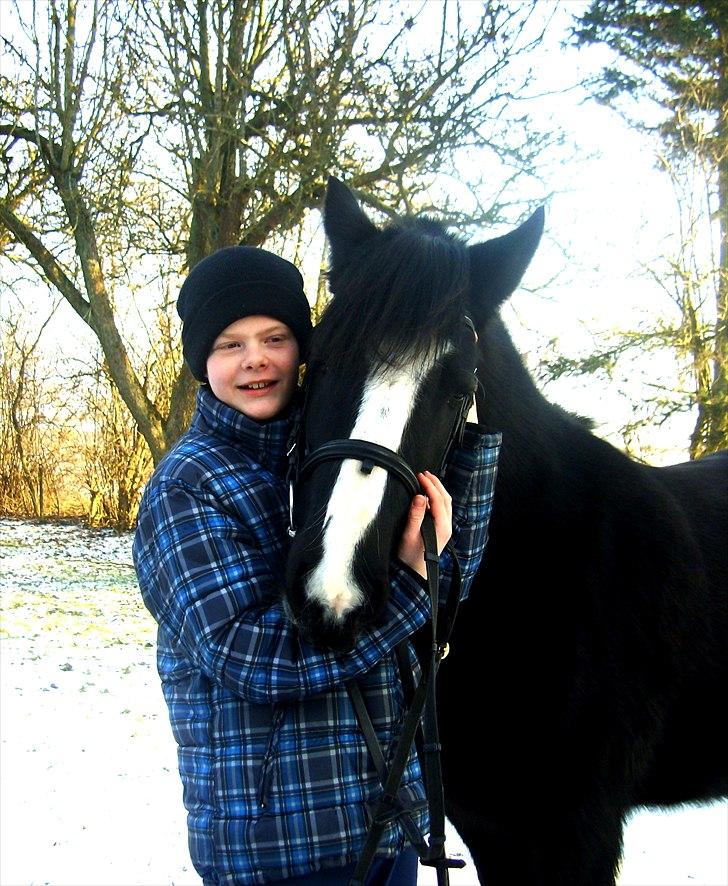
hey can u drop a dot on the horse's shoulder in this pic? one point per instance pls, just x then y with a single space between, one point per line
700 490
707 476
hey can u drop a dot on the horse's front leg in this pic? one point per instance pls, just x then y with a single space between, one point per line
541 845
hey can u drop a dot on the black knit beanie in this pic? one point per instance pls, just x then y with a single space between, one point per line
233 283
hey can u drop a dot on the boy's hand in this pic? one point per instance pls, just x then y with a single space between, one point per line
411 547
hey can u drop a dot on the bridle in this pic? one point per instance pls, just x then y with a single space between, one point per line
422 698
368 453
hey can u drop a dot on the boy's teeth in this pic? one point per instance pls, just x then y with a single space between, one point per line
256 386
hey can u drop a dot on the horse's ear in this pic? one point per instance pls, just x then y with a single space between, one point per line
345 222
496 266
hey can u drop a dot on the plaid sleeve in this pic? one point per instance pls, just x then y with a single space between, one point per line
203 578
470 480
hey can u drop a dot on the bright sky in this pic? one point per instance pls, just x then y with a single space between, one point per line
611 211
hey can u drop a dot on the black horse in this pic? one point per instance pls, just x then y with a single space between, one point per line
589 668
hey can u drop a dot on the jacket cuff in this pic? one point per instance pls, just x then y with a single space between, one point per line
478 437
409 590
402 569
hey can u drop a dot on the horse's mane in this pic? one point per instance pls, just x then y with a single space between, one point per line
400 290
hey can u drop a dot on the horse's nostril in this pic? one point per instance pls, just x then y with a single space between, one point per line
325 638
317 629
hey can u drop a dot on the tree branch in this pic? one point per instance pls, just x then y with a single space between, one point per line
50 267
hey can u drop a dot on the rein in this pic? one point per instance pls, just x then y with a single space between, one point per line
421 715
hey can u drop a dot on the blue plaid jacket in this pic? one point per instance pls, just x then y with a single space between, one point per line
276 774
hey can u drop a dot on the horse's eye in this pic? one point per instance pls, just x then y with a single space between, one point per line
456 395
465 382
458 398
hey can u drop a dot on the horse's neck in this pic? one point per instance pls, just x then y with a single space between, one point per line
538 437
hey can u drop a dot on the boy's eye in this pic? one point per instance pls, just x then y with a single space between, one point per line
227 346
276 339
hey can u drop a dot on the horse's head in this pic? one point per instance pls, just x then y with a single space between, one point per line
391 362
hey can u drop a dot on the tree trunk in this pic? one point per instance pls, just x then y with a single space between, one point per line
711 432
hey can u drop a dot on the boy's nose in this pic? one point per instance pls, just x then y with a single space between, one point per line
254 357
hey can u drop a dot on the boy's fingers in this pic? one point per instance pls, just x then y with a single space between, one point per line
440 502
410 548
436 492
416 513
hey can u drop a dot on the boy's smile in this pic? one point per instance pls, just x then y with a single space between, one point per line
253 366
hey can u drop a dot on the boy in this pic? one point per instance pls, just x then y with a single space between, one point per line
277 778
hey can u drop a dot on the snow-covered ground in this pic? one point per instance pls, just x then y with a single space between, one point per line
89 788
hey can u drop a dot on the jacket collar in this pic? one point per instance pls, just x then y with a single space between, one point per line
264 442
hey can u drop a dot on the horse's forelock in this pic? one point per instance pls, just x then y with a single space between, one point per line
399 294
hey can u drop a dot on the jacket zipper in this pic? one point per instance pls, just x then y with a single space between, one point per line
266 775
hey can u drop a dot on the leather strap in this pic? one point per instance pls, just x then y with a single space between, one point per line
369 454
380 764
423 701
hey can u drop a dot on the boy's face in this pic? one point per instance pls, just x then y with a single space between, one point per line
253 366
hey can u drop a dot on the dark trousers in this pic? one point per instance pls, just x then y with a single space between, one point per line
398 871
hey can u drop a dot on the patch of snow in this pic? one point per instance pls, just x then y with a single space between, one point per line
90 790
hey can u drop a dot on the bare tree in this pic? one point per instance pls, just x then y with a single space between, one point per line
116 461
686 331
140 136
31 440
674 55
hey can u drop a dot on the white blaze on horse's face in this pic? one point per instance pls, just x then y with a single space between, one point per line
387 402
